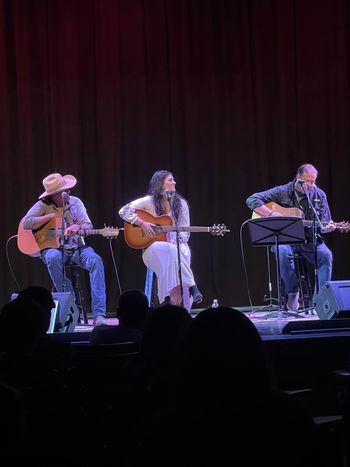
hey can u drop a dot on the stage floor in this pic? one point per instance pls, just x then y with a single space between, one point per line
271 325
268 323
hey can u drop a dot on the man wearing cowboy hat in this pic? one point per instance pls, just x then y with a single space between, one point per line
51 204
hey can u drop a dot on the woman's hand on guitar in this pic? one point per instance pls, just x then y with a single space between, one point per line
147 229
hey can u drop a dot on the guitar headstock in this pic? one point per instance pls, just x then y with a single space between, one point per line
110 232
343 226
219 230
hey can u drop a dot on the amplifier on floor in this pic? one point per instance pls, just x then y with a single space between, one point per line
333 300
64 315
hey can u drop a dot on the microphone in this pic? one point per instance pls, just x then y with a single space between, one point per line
300 182
65 196
170 194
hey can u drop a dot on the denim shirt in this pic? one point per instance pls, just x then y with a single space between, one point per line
75 213
285 196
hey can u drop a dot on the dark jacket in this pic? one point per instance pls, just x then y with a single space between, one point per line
285 196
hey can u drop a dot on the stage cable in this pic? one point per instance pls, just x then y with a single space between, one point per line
17 283
115 264
9 262
244 264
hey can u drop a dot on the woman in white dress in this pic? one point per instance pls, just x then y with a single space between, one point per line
162 256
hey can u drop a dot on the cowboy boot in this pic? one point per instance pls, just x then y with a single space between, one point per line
195 293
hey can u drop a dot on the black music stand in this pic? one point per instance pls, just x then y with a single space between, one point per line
277 231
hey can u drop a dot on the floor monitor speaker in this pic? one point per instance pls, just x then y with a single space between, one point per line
333 300
65 313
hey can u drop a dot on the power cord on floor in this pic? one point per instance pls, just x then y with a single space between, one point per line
9 262
115 264
244 264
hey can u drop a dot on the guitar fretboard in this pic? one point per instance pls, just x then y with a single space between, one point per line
338 225
86 232
183 228
309 223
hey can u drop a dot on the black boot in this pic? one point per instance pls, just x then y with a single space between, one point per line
195 293
167 301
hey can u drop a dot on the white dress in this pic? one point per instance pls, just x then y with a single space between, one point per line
162 257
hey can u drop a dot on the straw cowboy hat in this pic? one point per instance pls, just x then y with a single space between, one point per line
55 183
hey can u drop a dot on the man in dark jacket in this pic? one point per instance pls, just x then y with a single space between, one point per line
301 193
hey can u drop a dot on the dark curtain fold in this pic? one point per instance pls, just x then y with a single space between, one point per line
232 96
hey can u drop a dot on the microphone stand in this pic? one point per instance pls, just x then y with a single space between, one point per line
315 220
170 199
270 298
62 243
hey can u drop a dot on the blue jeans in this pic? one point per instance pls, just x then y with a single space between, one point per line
86 258
287 266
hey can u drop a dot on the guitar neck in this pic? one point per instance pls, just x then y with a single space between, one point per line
83 232
161 225
182 228
343 226
309 223
86 232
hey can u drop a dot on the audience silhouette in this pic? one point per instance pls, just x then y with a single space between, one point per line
131 313
22 323
45 402
12 420
54 350
43 297
190 375
163 331
220 371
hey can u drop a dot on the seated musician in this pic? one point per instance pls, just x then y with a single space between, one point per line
299 193
49 208
161 256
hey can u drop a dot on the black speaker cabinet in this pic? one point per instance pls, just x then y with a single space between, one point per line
333 300
66 312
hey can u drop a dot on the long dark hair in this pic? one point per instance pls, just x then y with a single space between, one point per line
155 189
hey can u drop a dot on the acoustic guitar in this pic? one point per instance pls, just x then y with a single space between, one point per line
135 238
343 226
32 242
